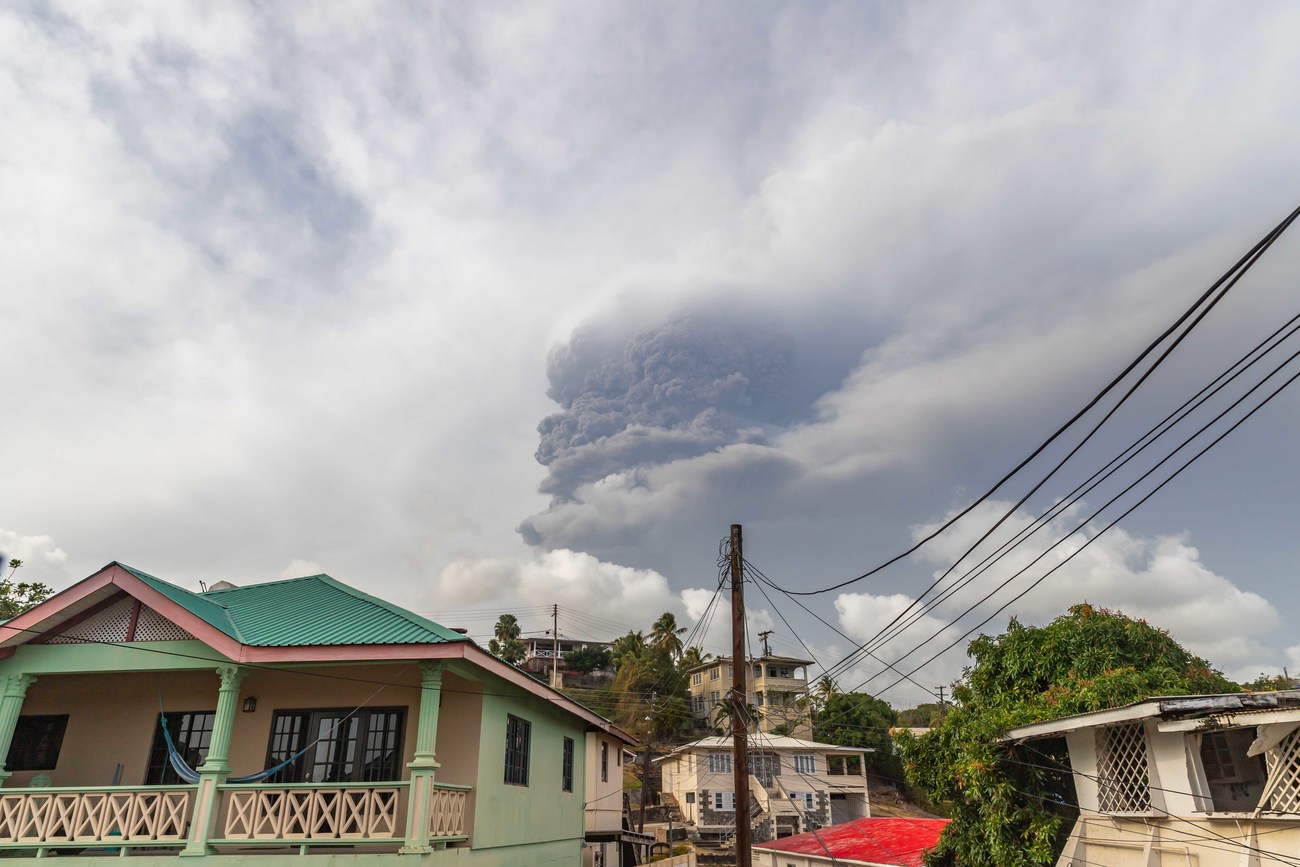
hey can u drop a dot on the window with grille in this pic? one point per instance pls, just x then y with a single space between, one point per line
191 732
805 763
1124 784
519 734
604 761
719 763
36 743
342 746
567 773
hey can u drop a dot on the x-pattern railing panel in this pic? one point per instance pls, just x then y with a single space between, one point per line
333 813
448 813
93 817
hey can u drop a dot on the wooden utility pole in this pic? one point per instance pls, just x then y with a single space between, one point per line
739 711
645 762
555 647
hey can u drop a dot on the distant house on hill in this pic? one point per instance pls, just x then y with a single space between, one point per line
775 686
1208 780
795 785
300 716
878 842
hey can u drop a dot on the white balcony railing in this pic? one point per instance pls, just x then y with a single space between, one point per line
117 816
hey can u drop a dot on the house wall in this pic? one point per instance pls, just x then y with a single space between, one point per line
1174 831
604 801
521 817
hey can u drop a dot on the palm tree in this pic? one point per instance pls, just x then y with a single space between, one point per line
722 715
823 692
692 656
665 634
628 647
506 644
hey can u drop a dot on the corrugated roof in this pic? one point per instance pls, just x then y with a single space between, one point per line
311 611
884 840
211 612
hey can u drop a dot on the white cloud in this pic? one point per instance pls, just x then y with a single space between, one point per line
42 560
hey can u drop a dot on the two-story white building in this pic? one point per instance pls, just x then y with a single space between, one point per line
795 785
1204 780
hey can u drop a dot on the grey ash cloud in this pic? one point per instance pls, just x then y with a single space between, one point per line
677 389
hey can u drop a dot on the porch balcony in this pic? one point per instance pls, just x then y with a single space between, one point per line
361 775
301 815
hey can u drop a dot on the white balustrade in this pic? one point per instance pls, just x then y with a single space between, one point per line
116 816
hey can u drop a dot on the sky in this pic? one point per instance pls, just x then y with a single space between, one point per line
497 307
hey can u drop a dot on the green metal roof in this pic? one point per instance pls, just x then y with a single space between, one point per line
315 610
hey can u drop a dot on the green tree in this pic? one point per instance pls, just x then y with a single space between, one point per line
17 598
667 635
1269 683
856 719
723 712
505 642
588 659
628 648
1006 812
693 656
923 715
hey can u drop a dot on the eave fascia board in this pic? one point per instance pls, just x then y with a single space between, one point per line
1065 725
1230 720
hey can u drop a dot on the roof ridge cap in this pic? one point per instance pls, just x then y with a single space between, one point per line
409 616
230 621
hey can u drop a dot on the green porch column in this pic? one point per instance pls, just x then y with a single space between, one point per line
424 763
11 707
216 767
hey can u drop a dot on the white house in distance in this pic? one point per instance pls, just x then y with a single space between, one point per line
1207 780
795 785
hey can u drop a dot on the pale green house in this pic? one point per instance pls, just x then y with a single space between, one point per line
303 717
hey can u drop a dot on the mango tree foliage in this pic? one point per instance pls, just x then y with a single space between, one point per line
856 719
1006 811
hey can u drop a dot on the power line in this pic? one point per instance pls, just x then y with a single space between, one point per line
1119 461
1230 278
1100 533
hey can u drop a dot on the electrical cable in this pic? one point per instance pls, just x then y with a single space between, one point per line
1099 534
1118 462
1243 265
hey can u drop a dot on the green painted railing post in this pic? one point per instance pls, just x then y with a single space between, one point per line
419 807
11 707
216 767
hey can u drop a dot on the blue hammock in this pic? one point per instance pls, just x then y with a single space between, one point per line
189 775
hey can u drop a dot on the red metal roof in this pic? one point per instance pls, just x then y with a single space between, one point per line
884 840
